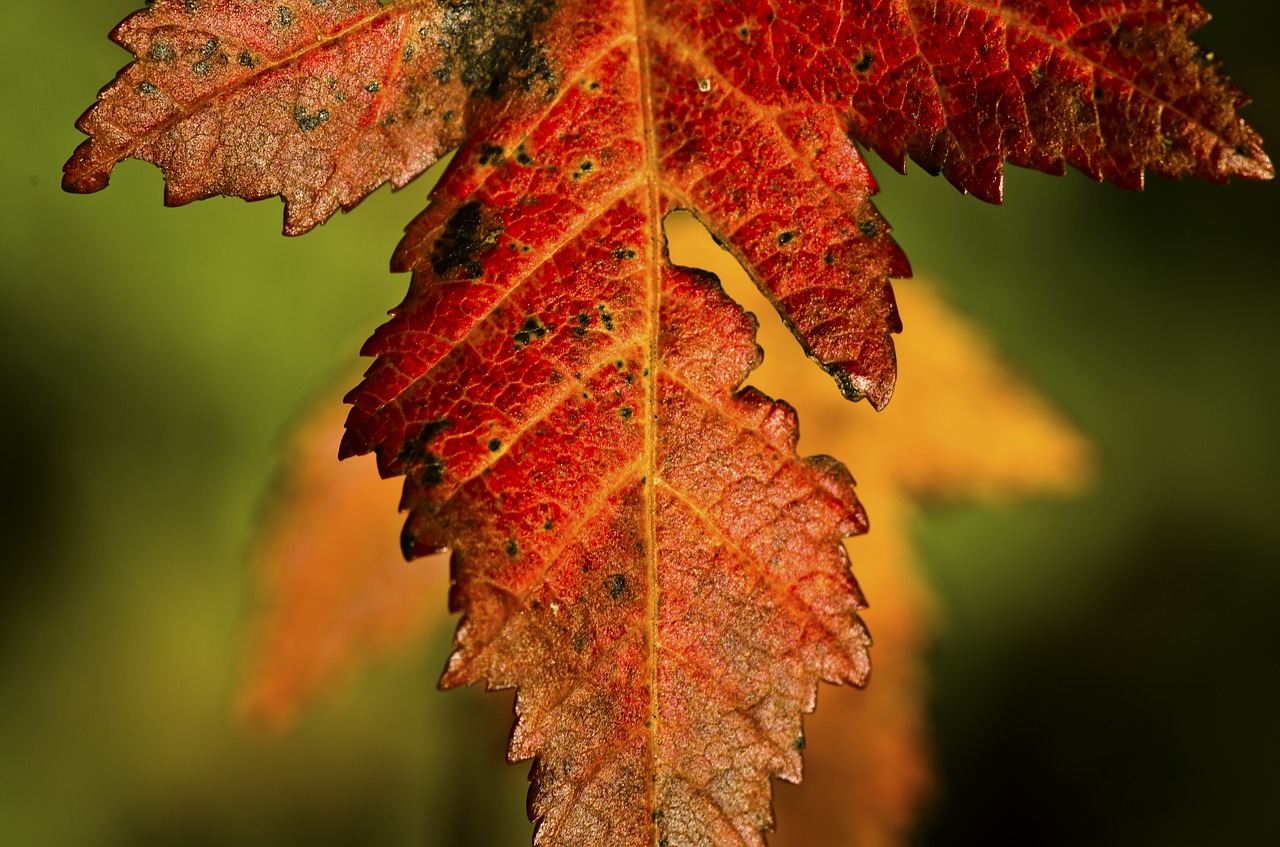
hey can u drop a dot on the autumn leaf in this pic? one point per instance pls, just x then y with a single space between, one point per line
964 427
638 548
335 589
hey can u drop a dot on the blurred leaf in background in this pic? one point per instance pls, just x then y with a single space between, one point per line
1107 672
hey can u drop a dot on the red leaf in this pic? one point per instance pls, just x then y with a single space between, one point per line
639 549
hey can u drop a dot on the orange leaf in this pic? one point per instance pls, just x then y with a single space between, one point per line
336 590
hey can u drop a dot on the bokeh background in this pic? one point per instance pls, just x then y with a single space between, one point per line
1108 670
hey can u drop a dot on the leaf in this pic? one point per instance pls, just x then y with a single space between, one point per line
335 588
965 427
639 550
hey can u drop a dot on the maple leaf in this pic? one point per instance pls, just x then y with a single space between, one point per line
638 547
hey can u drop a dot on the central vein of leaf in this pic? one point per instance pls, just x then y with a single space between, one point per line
654 265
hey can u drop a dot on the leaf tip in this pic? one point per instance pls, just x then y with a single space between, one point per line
78 175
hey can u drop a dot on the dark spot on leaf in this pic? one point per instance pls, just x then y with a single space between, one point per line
491 154
624 253
466 237
147 88
523 158
616 584
626 413
245 60
201 67
162 52
432 471
286 16
869 228
547 525
799 743
606 317
492 46
531 328
306 122
864 64
408 52
829 259
494 445
1098 94
512 547
785 237
579 643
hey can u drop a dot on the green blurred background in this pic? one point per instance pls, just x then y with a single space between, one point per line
1110 667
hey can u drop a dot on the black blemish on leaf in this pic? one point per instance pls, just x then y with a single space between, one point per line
799 743
491 45
548 525
531 328
162 52
616 584
626 413
306 122
864 64
201 67
579 643
432 471
408 52
869 228
624 253
245 60
147 89
494 445
829 259
523 158
207 49
414 449
1098 94
373 87
512 547
491 154
286 16
606 317
466 237
785 237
